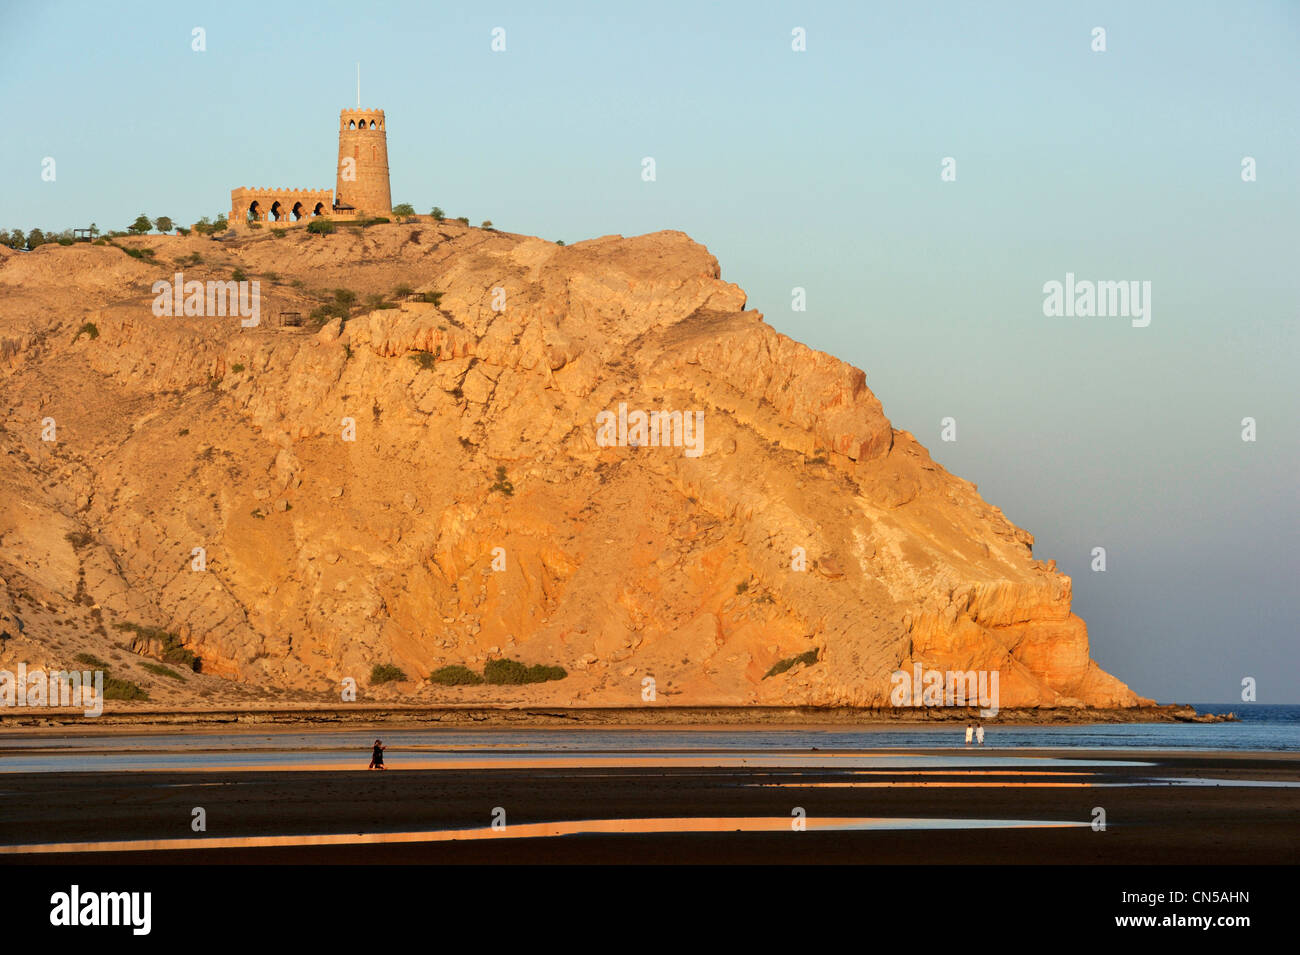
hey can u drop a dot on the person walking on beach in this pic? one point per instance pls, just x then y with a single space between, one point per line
979 734
969 729
377 756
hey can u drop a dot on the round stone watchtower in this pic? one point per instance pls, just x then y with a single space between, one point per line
362 182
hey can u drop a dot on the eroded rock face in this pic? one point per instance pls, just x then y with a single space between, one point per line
408 545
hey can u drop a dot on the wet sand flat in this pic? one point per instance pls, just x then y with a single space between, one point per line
936 807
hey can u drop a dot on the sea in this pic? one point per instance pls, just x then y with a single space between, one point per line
1258 728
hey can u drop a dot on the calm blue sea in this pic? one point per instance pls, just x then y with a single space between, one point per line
1260 727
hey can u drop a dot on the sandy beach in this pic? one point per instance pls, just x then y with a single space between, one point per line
434 805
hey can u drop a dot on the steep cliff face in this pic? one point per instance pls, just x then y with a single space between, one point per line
425 485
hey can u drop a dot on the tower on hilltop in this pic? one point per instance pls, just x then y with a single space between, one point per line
362 182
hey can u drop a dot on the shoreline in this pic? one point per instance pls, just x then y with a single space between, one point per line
537 717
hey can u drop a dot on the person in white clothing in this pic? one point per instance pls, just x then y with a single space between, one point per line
969 731
979 734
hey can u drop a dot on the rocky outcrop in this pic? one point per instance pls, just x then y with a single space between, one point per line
423 485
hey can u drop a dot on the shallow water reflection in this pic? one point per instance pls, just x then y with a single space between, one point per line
543 830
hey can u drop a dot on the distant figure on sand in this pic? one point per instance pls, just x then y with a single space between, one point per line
979 734
969 730
377 757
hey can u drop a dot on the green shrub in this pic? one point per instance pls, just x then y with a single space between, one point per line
808 657
163 671
115 689
455 675
237 368
78 539
433 298
385 673
514 673
424 359
503 483
404 209
438 214
279 233
487 224
89 329
176 653
172 650
239 275
320 227
463 220
92 661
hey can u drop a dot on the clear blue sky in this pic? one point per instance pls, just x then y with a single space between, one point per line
820 169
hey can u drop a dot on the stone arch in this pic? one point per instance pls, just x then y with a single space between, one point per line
254 213
352 124
319 210
372 124
296 212
276 214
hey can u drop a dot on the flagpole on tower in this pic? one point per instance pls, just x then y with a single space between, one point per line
358 84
